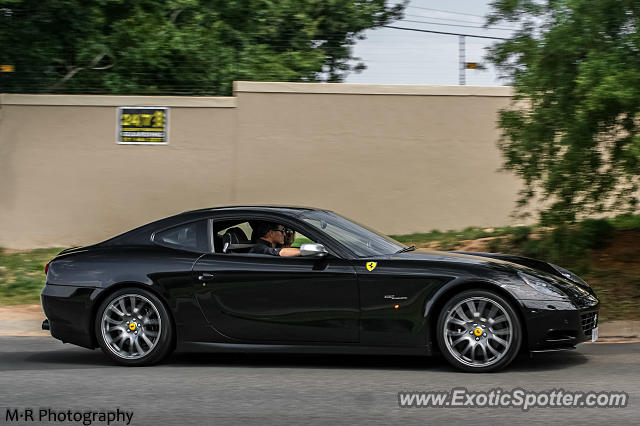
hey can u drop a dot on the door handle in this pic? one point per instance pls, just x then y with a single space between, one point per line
206 276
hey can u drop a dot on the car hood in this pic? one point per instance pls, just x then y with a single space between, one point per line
535 267
451 256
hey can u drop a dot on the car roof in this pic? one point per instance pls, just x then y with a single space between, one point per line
269 208
142 233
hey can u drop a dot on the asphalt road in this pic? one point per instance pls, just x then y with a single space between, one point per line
196 388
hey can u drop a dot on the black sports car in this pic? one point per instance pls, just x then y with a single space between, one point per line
194 279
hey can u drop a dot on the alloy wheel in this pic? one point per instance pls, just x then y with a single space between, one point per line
131 326
478 331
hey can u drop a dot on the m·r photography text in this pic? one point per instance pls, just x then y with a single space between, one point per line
84 417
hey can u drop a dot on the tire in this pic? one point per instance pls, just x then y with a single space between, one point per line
132 327
484 339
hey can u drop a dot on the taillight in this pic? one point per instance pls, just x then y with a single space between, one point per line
46 268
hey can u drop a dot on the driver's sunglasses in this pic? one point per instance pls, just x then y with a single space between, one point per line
284 231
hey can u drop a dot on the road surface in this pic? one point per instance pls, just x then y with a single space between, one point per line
197 388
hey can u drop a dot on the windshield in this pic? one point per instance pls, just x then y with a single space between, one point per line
360 240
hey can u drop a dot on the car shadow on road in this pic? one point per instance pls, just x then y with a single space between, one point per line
538 362
61 358
548 361
74 357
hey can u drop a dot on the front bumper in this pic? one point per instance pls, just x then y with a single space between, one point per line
558 324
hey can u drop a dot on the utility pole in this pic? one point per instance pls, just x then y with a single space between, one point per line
463 61
461 50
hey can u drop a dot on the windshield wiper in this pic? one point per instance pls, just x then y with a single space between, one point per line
406 249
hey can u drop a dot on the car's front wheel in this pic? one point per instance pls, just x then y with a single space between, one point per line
479 331
133 327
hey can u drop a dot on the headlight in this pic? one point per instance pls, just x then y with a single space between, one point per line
569 275
541 285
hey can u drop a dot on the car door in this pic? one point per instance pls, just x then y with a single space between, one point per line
393 294
261 298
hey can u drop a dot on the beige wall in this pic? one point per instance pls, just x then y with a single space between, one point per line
64 180
403 159
399 158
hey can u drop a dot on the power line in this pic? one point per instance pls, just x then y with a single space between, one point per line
457 25
446 19
443 32
441 19
445 11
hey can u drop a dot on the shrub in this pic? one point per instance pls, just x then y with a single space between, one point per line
596 232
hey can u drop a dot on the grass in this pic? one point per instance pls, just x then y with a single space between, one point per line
626 221
567 243
300 241
22 275
449 240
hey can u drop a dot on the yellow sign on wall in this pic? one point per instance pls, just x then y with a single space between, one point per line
143 125
7 68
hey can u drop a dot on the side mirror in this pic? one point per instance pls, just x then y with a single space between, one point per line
313 249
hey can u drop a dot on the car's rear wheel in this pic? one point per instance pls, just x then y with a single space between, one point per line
133 327
479 331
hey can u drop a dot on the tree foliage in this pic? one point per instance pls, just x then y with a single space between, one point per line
179 46
572 132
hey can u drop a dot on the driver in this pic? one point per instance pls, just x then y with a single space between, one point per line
289 238
268 236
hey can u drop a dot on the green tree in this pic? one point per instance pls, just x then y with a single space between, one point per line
572 131
180 46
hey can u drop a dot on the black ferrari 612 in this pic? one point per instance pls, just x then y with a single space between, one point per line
196 279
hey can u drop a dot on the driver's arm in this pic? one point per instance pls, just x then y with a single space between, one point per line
289 251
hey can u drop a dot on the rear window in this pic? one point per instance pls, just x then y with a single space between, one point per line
191 236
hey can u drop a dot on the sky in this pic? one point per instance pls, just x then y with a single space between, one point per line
406 57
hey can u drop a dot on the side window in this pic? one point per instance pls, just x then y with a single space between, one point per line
245 227
232 236
299 239
191 236
240 236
